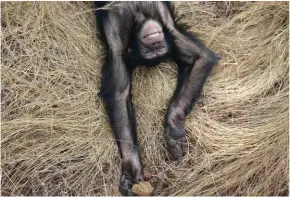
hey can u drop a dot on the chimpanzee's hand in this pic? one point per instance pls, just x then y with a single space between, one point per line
132 172
175 134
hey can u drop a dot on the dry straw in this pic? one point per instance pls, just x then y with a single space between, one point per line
56 139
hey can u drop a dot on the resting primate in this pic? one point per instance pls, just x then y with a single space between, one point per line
145 33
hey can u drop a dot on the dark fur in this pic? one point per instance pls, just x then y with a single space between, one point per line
194 61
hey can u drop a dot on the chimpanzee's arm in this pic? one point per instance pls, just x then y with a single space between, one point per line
195 62
115 91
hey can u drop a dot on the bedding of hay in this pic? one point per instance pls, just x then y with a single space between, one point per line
55 137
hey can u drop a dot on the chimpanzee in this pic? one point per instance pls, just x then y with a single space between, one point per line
145 33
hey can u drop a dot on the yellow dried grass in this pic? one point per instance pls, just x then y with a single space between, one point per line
55 136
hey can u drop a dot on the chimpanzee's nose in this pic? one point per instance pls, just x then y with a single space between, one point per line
156 44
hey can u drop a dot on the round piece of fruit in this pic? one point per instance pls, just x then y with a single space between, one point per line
143 188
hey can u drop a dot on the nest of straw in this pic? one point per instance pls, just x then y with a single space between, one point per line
55 136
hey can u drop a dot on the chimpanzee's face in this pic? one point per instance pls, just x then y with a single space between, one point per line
152 42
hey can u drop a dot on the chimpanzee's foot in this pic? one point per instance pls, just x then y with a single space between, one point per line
175 134
131 173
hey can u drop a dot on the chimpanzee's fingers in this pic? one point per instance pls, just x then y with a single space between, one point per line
147 176
125 187
138 176
183 146
176 147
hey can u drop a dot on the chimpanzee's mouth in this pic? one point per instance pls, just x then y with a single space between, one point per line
150 29
152 35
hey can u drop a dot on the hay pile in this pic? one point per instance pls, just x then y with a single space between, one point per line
55 136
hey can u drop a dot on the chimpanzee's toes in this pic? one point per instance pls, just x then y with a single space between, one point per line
176 146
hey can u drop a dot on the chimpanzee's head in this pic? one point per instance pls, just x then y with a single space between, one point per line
152 41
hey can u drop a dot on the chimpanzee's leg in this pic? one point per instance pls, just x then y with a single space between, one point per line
115 91
195 62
